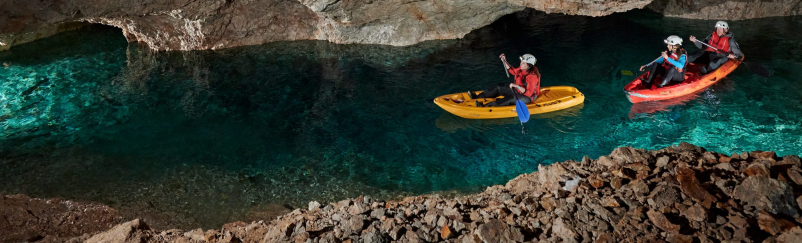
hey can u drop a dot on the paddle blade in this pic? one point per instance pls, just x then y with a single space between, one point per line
758 69
523 112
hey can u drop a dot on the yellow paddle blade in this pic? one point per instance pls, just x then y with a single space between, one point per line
627 72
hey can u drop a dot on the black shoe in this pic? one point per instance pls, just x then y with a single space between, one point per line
479 104
471 95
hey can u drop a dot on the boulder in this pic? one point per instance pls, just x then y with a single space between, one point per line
129 232
690 186
766 194
660 220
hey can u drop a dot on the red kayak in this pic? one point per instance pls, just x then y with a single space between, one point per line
694 82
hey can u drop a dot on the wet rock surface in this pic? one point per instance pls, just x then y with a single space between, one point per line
25 219
676 194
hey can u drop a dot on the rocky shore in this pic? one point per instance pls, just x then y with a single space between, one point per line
677 194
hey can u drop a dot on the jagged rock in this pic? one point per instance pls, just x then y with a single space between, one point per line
595 182
639 187
445 232
794 175
695 213
616 183
377 213
791 160
551 176
684 146
313 205
625 173
761 155
396 233
606 161
792 235
493 231
662 161
767 194
627 155
131 231
660 220
757 169
725 166
563 231
605 238
357 208
710 157
690 186
674 211
663 196
679 238
572 184
768 223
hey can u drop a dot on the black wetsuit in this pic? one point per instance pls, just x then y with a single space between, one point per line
503 89
670 74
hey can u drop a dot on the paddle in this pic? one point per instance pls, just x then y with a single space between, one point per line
629 73
521 109
520 106
755 68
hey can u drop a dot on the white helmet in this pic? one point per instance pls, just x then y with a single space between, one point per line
722 24
528 58
673 40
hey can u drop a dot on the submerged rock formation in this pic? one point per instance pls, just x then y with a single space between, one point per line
676 194
26 219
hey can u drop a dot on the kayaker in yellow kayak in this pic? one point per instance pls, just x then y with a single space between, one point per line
525 88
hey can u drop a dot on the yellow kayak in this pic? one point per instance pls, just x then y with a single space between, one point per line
551 98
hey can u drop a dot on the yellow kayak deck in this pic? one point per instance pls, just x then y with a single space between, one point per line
551 98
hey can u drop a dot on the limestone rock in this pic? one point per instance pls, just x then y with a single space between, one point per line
129 232
660 220
792 235
175 25
493 231
767 194
726 10
690 186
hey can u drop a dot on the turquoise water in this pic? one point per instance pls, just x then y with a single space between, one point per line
207 137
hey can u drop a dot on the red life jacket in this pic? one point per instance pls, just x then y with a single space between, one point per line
521 78
674 56
721 43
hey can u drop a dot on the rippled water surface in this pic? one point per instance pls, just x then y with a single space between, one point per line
197 139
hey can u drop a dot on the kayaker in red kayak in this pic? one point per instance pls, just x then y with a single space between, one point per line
526 86
723 40
671 66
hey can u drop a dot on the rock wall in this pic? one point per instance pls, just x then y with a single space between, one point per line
198 25
676 194
727 10
214 24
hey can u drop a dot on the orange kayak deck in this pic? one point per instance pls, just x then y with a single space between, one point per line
551 98
694 82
